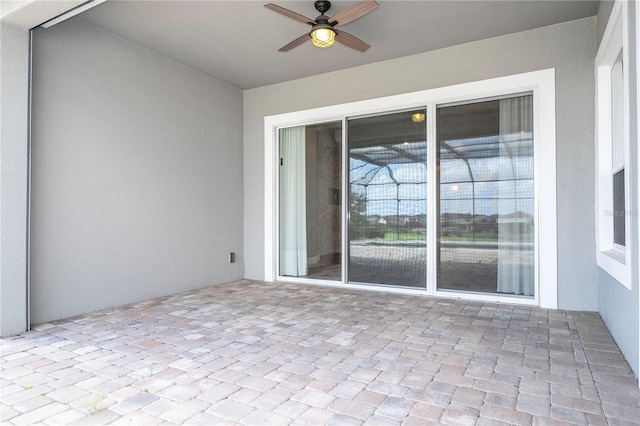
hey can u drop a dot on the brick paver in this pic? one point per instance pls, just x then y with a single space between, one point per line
260 353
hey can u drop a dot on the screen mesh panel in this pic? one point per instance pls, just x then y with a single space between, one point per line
387 194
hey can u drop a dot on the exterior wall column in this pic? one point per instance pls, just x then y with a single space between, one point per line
14 178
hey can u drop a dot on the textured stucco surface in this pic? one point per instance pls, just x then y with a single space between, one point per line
137 182
14 125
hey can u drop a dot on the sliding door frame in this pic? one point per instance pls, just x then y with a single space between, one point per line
540 83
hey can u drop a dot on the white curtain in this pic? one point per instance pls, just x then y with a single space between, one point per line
293 214
515 253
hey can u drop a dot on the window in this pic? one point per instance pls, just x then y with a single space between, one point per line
612 147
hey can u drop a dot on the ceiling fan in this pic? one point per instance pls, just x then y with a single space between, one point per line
323 28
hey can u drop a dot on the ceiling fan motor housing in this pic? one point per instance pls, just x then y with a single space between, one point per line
322 6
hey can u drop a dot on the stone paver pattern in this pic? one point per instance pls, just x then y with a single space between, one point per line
260 353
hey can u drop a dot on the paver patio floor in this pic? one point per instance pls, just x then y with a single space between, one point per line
272 353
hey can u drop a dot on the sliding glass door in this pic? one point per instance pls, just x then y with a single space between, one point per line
486 197
388 199
310 216
473 165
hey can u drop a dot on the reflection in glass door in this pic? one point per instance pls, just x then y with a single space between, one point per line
388 199
486 197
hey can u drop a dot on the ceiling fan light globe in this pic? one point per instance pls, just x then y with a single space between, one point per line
323 37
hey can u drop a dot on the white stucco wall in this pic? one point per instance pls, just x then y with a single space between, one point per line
14 126
137 174
16 19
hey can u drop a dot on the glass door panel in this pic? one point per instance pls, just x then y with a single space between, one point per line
310 214
388 199
486 197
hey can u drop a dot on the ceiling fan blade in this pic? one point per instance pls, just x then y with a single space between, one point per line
354 12
351 41
289 14
295 43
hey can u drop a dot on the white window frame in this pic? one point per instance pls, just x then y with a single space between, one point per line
612 258
540 83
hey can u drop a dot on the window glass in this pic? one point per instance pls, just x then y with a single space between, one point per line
310 201
618 208
617 150
617 115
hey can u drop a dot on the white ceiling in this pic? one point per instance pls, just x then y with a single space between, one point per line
238 41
